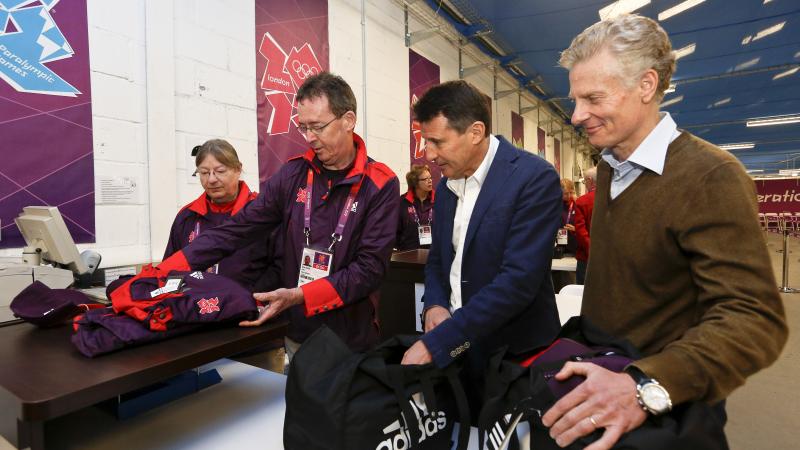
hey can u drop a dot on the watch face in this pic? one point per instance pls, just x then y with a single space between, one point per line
655 397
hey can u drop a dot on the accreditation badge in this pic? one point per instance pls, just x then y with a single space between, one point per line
314 264
562 236
424 234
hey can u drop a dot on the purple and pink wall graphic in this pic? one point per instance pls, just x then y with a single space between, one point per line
45 115
291 45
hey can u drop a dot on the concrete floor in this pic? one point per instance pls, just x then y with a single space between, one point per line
765 412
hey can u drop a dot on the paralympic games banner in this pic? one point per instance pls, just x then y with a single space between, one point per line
778 195
422 75
291 45
45 115
517 130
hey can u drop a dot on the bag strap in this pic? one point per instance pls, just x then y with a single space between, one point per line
396 377
461 404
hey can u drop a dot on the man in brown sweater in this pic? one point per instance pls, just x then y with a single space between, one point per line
678 264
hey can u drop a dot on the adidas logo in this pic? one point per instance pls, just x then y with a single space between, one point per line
198 275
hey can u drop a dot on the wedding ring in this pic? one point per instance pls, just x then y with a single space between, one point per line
591 419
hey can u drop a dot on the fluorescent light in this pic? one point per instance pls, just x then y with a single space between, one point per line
670 89
769 30
755 170
685 51
621 7
721 102
673 101
739 146
786 73
747 39
767 1
747 64
774 120
677 9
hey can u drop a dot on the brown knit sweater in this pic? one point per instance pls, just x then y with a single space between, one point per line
679 266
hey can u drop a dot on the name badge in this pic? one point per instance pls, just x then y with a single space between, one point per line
314 264
424 235
562 236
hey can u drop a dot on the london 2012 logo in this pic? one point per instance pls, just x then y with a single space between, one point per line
284 74
29 39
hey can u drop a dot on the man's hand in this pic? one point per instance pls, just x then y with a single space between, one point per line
570 227
605 399
417 354
276 301
434 316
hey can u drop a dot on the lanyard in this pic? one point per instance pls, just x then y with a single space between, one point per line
416 216
343 216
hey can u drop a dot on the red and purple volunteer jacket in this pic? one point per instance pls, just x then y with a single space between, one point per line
360 259
140 313
411 211
251 265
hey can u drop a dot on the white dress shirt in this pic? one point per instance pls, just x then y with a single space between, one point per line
467 191
650 154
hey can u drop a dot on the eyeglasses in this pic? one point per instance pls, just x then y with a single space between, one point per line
317 130
219 173
424 179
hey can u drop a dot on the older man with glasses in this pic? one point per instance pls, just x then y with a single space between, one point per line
338 209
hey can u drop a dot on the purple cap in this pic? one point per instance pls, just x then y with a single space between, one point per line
45 307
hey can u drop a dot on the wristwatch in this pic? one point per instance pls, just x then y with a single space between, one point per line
652 396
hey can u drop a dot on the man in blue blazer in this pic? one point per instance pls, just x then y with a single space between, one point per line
487 280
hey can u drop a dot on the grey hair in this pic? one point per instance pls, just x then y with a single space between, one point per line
638 42
590 173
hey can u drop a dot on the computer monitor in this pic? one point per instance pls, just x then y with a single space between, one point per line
46 233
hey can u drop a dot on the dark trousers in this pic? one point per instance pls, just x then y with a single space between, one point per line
580 272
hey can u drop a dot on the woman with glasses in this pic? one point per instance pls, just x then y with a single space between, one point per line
219 170
416 210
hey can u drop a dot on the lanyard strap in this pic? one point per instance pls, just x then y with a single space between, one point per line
343 216
416 215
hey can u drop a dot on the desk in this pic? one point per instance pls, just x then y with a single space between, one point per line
44 376
565 264
397 309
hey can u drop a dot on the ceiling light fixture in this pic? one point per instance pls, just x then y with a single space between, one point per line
670 89
769 30
677 9
673 101
774 120
747 64
621 7
721 102
685 51
739 146
785 73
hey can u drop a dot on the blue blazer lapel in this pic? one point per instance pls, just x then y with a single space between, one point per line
499 173
445 207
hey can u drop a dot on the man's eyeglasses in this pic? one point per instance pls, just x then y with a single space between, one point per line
317 129
219 173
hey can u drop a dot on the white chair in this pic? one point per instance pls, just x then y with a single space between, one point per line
572 289
568 302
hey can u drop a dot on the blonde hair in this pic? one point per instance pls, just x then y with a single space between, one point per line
639 43
220 149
